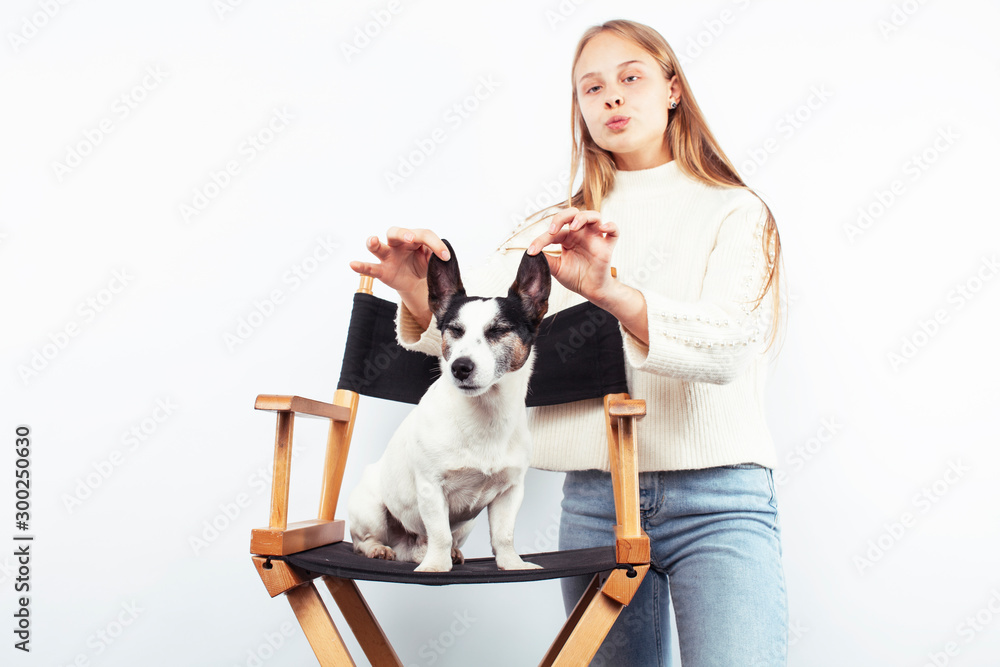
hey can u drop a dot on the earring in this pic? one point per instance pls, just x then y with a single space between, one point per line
673 105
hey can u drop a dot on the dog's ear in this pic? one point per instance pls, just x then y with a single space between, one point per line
532 286
444 282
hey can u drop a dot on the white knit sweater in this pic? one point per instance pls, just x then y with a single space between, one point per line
694 251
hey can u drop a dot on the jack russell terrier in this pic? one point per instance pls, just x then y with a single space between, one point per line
466 445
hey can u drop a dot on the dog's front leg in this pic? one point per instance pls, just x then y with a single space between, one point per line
433 507
502 512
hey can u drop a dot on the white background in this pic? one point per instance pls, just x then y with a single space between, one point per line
877 573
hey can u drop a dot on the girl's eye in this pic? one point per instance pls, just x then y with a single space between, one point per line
593 88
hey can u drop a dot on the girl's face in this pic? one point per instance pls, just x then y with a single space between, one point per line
617 79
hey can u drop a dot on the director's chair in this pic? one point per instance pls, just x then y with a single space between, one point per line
578 356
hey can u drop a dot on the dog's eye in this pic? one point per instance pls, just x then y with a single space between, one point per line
496 331
455 330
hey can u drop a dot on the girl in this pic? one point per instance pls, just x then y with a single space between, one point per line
696 253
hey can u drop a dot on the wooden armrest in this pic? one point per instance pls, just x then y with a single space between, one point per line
304 406
632 407
280 538
295 537
631 543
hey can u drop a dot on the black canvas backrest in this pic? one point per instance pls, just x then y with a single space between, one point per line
578 355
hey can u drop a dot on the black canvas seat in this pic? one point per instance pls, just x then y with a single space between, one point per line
339 560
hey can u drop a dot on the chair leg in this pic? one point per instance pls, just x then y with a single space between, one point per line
591 620
581 606
363 624
318 627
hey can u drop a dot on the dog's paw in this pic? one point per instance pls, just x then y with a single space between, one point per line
456 556
434 566
382 552
516 563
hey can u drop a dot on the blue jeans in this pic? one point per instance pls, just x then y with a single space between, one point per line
716 552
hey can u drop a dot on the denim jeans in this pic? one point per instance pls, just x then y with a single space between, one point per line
716 553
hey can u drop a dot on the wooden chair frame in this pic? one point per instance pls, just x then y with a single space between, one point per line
584 629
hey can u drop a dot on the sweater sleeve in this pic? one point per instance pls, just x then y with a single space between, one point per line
715 338
411 336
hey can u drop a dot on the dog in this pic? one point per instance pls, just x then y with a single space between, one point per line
466 445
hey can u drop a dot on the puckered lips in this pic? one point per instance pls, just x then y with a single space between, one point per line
617 122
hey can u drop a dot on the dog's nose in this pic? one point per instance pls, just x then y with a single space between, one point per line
462 368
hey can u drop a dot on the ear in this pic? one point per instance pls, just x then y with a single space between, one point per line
444 282
532 286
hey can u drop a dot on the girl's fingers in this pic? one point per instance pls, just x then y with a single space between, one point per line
562 217
398 236
558 234
367 269
553 234
377 248
429 239
559 237
584 218
608 229
545 239
414 239
554 263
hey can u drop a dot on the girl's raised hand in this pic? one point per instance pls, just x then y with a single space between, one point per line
402 258
587 243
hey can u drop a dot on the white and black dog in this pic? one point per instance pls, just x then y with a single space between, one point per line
466 445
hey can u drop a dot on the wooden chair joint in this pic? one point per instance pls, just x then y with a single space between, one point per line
631 549
296 537
622 585
279 576
302 406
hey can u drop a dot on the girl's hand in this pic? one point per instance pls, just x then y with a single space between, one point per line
403 266
585 263
403 258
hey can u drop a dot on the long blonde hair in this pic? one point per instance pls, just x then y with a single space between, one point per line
691 142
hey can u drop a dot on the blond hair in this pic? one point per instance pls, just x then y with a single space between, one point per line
691 142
